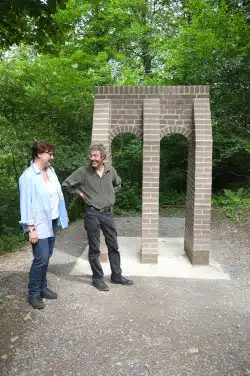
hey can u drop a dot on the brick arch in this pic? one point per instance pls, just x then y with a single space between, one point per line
176 129
144 110
125 129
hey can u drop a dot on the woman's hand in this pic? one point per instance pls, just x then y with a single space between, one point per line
33 237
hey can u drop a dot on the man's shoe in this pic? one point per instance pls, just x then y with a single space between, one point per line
122 281
48 294
36 302
100 285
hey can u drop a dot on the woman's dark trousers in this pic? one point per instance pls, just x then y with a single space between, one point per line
42 251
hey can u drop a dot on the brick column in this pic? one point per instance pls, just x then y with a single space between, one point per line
197 228
100 134
101 123
151 172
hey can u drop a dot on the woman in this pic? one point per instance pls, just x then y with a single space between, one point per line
42 209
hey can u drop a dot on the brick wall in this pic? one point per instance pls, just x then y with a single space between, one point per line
151 112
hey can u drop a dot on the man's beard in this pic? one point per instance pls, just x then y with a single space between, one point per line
96 164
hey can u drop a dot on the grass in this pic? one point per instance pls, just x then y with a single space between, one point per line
11 243
172 211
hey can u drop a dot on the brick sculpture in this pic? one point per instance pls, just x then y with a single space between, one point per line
150 113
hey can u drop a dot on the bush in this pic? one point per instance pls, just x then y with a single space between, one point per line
172 197
231 200
129 197
9 243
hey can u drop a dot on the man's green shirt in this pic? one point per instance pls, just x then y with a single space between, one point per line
98 191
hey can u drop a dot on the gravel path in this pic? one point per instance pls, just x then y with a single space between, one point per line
158 327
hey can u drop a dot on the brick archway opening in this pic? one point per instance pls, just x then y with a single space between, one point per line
126 150
173 174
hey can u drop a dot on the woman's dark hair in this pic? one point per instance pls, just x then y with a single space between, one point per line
40 147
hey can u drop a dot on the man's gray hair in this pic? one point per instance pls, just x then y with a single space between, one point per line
100 148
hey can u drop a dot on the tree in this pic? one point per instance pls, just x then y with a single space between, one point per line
28 20
49 98
130 32
213 48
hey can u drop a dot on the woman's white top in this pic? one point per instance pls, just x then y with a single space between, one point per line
51 186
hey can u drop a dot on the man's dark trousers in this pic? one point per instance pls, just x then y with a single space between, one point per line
42 251
94 221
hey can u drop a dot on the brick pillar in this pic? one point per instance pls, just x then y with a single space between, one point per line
151 173
197 228
100 134
101 123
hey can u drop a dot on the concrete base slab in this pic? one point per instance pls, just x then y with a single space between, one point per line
172 262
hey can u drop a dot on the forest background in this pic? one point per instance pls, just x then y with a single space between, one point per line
52 55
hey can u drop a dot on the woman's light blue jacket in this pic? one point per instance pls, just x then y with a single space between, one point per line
35 206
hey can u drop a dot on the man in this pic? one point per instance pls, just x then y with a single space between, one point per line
96 185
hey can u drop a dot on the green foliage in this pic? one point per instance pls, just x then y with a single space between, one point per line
172 197
127 157
28 20
9 196
238 197
213 48
173 163
10 243
48 98
129 197
127 160
75 208
231 201
131 32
